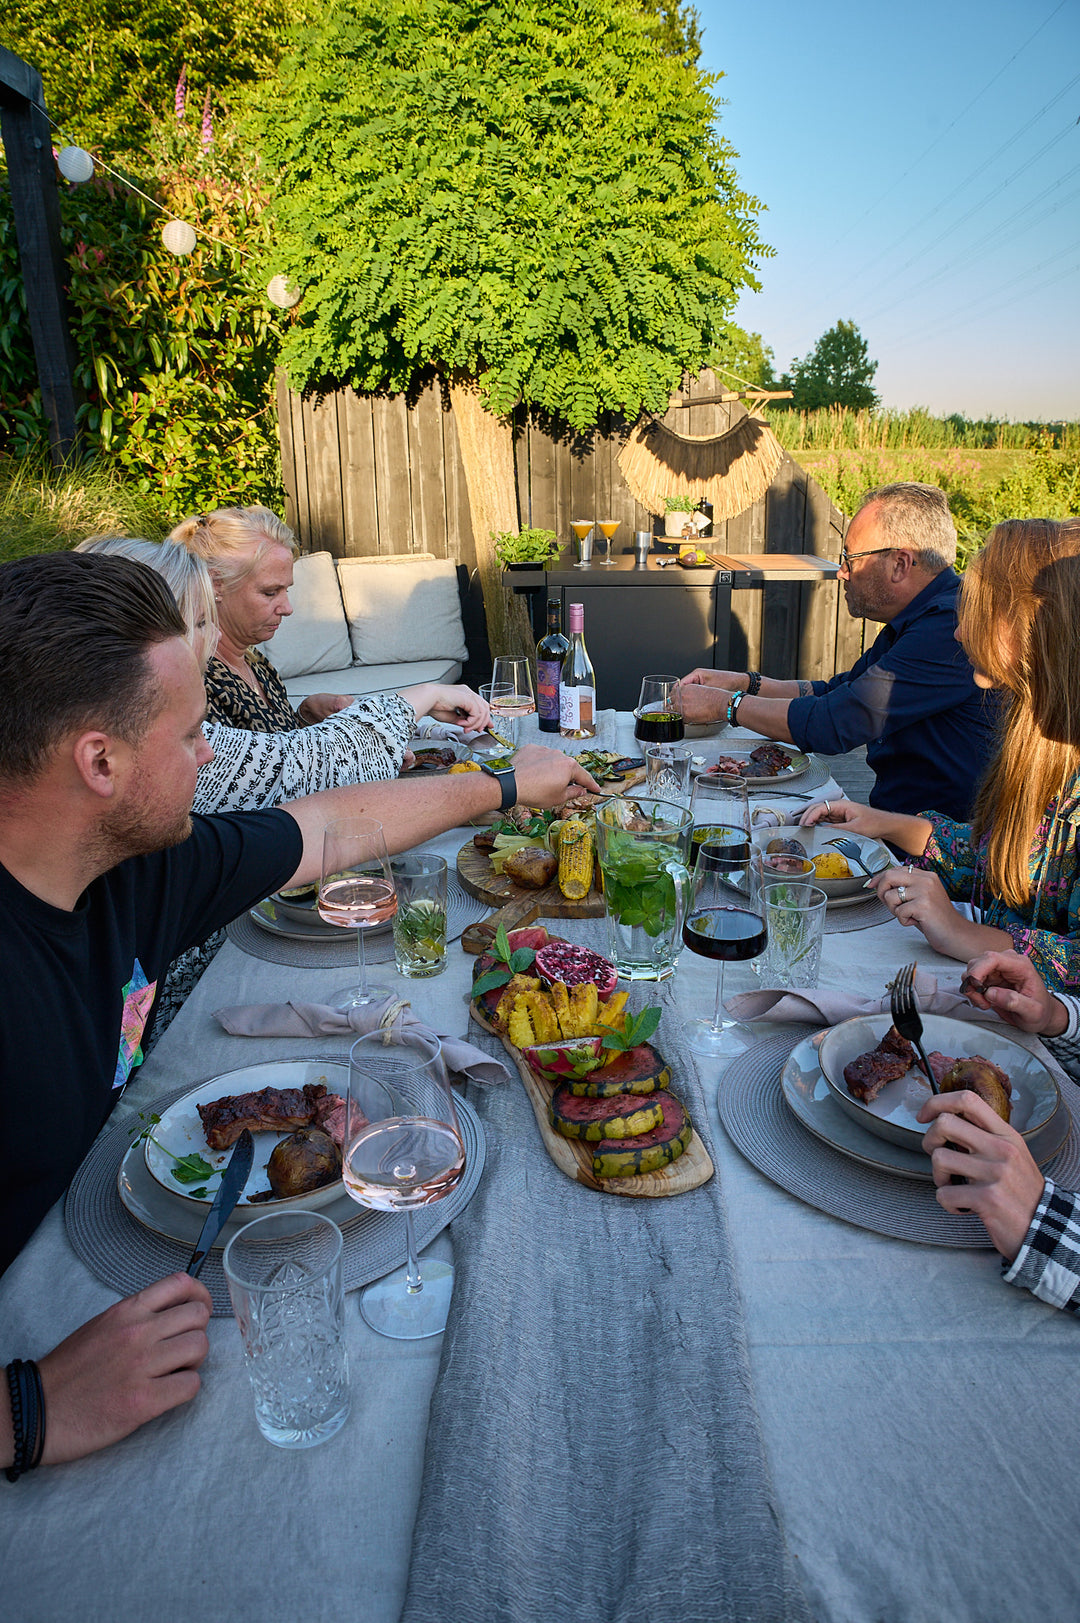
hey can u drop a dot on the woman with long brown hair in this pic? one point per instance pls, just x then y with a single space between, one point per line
1016 862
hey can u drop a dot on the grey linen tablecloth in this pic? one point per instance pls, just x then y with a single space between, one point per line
593 1446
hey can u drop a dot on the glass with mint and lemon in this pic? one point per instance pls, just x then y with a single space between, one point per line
420 922
644 849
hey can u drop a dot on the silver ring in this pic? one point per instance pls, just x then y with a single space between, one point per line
828 809
901 892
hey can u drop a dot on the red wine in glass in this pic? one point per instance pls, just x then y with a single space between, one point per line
731 934
723 926
659 727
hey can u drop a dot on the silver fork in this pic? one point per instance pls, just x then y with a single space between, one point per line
906 1017
853 854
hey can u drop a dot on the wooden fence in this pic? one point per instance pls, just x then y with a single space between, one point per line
379 474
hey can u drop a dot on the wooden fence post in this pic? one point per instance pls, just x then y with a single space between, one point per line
27 139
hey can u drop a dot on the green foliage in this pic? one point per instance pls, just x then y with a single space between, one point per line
42 510
530 194
676 29
176 356
837 372
525 547
837 428
745 358
110 67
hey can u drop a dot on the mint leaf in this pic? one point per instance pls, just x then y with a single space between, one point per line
502 944
192 1168
488 981
198 1194
638 1030
521 959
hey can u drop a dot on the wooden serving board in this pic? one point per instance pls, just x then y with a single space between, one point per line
479 878
574 1156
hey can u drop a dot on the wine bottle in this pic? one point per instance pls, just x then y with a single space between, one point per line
550 652
577 690
705 522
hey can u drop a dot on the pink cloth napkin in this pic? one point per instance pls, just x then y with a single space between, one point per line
319 1020
823 1005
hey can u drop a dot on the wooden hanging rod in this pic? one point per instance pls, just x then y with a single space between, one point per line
679 404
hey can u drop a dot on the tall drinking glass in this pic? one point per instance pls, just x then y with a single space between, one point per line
403 1149
644 846
357 892
658 716
607 528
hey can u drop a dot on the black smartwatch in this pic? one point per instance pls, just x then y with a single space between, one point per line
506 781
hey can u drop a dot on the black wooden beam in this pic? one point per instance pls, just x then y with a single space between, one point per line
27 138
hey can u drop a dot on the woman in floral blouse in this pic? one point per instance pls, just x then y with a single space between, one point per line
1016 862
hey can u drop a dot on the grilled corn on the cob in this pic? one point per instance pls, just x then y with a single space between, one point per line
575 859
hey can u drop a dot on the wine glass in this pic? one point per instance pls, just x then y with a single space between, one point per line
356 891
658 716
607 528
499 698
723 922
720 808
515 671
402 1149
582 528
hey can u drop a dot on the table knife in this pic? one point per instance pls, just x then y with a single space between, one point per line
233 1180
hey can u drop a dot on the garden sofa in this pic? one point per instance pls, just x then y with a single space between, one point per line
361 625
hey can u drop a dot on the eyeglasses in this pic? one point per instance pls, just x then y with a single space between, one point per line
848 558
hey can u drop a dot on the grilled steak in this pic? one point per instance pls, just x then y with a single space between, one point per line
270 1110
867 1074
769 759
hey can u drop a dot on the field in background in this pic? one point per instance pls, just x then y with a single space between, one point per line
41 511
991 470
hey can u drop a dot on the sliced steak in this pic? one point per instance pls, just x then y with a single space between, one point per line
270 1110
867 1074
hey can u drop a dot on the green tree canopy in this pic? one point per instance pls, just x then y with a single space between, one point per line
532 194
837 372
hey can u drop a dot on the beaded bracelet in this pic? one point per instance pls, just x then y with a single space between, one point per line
753 684
27 1416
733 709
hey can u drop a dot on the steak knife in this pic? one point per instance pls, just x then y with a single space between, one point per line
233 1180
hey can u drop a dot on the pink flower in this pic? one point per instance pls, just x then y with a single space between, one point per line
180 100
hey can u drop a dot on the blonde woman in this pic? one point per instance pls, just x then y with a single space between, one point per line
249 553
1016 862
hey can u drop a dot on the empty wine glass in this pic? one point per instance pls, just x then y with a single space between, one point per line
402 1149
514 671
357 892
607 528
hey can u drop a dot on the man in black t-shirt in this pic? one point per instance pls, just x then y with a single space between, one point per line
104 878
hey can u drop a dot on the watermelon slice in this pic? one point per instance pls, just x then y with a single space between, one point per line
626 1115
646 1152
638 1070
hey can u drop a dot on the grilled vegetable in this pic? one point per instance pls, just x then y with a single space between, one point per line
646 1152
624 1116
575 859
531 867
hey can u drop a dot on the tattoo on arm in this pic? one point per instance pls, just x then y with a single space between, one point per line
806 690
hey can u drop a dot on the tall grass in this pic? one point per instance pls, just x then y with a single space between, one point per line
837 428
44 511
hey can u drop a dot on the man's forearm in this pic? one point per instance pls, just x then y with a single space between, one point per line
766 715
409 812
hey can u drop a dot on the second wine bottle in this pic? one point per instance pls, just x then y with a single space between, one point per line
577 691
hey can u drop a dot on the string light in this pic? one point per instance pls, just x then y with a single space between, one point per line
178 237
280 291
75 164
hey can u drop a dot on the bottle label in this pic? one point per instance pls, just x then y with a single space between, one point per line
547 688
576 710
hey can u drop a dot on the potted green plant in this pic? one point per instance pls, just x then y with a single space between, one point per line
528 549
677 511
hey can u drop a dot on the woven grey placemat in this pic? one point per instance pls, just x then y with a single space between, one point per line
759 1123
127 1257
839 920
462 910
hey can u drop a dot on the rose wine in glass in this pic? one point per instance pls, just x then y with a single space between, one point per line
607 528
515 672
403 1149
356 892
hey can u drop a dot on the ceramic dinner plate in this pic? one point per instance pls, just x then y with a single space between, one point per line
811 1100
298 923
892 1115
814 842
180 1132
800 763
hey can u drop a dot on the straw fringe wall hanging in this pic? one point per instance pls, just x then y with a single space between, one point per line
733 470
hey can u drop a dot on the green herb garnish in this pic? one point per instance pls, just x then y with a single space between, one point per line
509 963
638 1030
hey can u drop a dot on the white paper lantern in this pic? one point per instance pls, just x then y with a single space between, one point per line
75 164
282 293
178 237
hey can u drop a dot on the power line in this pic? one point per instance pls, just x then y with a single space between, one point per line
949 323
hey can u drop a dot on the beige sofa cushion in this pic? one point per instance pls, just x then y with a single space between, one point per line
315 637
402 608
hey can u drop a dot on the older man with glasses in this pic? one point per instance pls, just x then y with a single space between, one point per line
911 698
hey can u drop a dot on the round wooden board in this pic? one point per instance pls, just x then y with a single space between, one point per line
480 880
574 1156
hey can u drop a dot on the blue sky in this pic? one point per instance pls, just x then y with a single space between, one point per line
921 167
